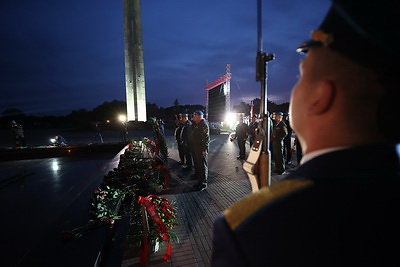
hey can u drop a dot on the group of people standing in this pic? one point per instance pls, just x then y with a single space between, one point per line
193 138
281 142
242 133
280 139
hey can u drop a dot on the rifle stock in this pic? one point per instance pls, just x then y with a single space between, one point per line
264 169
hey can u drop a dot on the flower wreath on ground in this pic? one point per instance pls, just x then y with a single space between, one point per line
141 171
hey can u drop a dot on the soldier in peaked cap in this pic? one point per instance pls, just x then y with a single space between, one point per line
339 207
199 141
279 133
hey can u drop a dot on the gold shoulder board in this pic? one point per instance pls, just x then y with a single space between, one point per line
241 210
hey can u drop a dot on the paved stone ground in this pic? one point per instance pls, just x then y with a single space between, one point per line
227 184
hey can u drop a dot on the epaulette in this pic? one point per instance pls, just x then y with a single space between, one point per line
243 209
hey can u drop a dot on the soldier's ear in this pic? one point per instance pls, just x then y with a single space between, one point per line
322 98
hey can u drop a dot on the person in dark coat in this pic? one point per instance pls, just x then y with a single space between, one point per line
253 130
241 135
18 132
287 141
278 135
272 124
339 207
177 134
185 135
199 143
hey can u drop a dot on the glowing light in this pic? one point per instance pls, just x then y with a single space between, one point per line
122 118
230 119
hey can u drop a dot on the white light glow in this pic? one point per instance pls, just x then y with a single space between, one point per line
230 119
122 118
54 165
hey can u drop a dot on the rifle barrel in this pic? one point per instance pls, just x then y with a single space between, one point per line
259 25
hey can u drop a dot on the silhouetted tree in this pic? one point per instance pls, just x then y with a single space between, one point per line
109 110
242 108
152 111
13 112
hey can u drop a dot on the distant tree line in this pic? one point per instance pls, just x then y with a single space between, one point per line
271 107
107 115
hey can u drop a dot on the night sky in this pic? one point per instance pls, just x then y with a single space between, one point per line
59 56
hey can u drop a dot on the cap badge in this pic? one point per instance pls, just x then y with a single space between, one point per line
324 38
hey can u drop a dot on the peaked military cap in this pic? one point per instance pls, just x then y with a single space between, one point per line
362 30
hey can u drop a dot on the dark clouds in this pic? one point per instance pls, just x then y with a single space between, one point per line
59 56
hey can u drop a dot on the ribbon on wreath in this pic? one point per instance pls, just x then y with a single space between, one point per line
157 148
161 228
144 250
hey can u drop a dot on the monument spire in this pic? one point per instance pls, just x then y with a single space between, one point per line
134 62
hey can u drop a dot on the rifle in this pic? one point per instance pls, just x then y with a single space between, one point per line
258 163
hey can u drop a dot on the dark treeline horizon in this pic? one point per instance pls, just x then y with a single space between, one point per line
106 114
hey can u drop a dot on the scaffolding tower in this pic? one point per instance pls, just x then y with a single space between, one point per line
219 90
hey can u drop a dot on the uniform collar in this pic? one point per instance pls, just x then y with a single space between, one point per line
314 154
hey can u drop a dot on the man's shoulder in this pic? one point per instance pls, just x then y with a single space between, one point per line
203 124
248 207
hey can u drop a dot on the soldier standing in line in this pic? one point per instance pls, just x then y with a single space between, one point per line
278 134
288 141
199 143
18 131
272 124
252 129
178 130
242 131
185 134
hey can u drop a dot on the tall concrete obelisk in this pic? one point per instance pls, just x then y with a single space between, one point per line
134 62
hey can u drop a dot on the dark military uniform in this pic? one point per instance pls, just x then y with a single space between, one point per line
288 142
272 124
338 209
242 131
252 129
181 149
185 135
199 142
278 134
